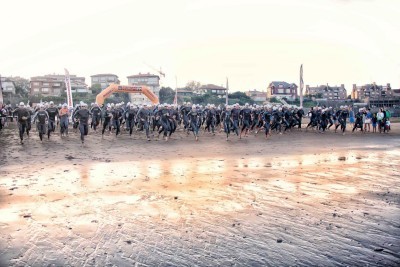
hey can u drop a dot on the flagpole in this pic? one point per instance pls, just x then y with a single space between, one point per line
226 94
176 91
70 101
301 85
1 92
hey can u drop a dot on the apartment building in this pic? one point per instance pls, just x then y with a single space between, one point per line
104 80
371 92
54 85
150 80
327 92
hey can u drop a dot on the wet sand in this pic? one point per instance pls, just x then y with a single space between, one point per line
298 199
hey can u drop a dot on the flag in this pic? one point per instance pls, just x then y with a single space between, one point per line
226 94
176 91
69 91
1 92
301 85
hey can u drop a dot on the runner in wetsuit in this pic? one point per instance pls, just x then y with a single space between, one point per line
130 115
245 114
266 117
235 118
22 119
96 115
194 119
116 119
359 121
107 115
211 119
227 120
41 116
144 115
53 113
83 116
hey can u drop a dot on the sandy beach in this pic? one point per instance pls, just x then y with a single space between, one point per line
297 199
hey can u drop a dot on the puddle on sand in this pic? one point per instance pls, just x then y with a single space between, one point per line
162 187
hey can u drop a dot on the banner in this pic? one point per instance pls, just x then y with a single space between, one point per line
176 91
301 85
70 102
226 94
1 93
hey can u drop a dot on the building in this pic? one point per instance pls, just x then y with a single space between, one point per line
184 92
212 90
369 92
7 85
104 80
327 92
54 85
150 80
282 90
257 96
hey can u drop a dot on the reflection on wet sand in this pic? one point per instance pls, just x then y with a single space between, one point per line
210 198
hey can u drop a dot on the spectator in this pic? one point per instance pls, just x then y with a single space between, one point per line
367 119
374 122
380 118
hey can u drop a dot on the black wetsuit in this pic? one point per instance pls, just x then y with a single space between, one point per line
83 116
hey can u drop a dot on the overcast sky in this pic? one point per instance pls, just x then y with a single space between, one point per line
252 42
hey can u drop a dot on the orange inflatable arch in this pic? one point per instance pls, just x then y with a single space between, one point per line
135 89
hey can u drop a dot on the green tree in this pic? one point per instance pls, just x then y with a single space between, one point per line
96 88
167 95
239 97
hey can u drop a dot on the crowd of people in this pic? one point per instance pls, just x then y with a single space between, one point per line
165 119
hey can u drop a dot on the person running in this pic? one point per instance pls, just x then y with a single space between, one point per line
130 115
245 114
195 121
22 114
82 116
227 119
96 116
53 113
266 117
358 123
116 119
64 119
106 119
42 117
211 114
144 116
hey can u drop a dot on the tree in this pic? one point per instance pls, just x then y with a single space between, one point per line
167 95
22 86
96 88
193 86
240 97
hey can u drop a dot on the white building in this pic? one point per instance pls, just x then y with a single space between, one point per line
150 80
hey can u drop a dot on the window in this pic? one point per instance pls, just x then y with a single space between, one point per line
56 84
103 79
36 83
45 90
280 85
95 79
288 91
36 89
280 91
45 84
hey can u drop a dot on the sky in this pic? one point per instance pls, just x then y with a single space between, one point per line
250 42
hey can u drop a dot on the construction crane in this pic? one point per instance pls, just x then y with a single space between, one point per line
153 68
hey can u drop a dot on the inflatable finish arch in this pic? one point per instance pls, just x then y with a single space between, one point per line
135 89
